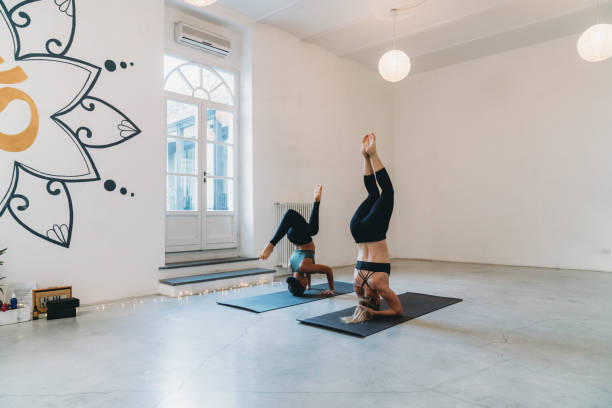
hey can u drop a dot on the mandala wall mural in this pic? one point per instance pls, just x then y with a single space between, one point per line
50 116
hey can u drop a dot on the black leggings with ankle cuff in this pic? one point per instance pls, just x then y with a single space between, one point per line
371 220
299 232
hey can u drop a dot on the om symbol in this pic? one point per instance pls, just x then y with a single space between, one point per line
23 140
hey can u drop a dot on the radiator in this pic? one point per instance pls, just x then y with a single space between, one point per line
284 248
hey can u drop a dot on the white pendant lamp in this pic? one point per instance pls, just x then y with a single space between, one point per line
394 65
200 3
595 44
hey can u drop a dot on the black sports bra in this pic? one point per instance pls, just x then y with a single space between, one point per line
371 268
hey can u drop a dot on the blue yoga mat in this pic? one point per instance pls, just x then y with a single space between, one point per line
278 300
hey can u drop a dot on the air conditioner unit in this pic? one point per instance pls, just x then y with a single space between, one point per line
202 40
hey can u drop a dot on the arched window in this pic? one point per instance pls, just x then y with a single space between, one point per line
199 81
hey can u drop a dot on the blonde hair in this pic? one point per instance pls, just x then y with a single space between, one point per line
361 314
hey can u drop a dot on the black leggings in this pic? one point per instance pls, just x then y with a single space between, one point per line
299 232
371 220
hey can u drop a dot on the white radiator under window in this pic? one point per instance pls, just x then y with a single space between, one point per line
284 248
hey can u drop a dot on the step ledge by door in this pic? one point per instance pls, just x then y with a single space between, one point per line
207 262
186 280
190 285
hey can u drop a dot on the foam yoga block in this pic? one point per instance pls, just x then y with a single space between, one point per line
59 304
61 314
413 304
278 300
62 308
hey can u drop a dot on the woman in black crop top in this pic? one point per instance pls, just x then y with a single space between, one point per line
369 228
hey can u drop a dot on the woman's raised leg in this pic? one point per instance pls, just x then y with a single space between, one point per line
369 180
291 219
382 209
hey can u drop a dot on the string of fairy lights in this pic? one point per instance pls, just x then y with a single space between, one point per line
184 296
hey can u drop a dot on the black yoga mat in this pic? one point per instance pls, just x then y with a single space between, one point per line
278 300
413 304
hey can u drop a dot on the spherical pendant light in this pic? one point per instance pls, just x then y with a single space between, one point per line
200 3
595 44
394 65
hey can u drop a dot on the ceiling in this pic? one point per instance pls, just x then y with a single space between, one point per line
433 32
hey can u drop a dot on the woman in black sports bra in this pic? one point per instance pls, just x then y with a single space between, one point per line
369 228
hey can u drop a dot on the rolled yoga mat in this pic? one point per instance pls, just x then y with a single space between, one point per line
278 300
413 304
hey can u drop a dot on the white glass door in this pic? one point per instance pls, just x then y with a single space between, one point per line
220 178
183 189
201 168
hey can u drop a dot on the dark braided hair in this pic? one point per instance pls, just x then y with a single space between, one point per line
295 287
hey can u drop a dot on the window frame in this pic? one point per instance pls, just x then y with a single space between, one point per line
204 104
187 54
203 141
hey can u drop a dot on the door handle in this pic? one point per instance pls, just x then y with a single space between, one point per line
204 177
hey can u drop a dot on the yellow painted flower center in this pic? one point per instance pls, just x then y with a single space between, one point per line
23 140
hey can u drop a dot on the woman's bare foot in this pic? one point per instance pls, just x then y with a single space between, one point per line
317 192
364 145
371 145
265 254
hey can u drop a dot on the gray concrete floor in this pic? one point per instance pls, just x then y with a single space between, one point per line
522 337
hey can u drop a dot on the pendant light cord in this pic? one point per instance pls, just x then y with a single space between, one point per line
409 8
394 17
395 12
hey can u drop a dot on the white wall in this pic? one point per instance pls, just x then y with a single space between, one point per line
310 110
505 160
117 242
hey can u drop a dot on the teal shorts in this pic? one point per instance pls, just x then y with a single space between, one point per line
298 256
